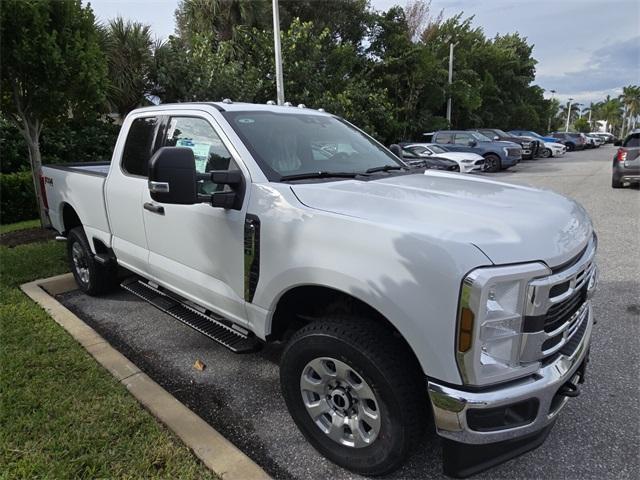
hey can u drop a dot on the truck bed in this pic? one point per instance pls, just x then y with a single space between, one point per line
78 187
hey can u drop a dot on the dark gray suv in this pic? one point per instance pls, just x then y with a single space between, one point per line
626 162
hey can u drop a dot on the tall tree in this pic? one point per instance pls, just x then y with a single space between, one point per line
52 66
129 55
630 99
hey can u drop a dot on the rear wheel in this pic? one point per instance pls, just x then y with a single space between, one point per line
615 183
492 163
571 147
546 153
355 392
92 277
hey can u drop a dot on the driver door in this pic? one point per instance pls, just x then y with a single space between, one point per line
197 250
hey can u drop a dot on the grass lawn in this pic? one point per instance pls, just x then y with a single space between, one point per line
12 227
61 414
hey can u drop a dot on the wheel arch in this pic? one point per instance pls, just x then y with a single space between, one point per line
303 304
70 218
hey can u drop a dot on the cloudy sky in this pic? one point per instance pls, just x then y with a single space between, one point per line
586 49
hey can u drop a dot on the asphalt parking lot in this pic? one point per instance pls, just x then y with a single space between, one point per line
597 435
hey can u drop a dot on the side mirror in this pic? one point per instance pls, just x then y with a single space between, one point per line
172 176
396 150
472 143
617 143
227 200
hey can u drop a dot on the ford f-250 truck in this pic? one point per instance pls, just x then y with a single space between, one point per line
404 298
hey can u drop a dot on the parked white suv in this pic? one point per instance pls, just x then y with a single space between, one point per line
400 295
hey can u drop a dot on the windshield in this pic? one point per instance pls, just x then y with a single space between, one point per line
437 149
286 144
480 137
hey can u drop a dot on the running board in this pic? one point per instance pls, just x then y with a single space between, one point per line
213 326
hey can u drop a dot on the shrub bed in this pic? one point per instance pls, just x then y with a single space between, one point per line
17 198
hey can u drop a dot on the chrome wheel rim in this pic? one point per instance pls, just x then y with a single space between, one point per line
80 262
340 402
546 153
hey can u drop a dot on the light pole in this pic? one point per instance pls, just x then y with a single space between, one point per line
451 47
553 92
566 129
278 53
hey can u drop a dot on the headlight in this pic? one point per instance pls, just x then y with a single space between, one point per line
490 323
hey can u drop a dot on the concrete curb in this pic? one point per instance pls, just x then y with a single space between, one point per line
215 451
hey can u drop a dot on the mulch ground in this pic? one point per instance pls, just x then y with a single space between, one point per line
29 235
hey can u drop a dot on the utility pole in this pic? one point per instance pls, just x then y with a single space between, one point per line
451 47
278 53
553 92
566 129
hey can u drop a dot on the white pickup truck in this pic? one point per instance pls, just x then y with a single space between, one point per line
404 298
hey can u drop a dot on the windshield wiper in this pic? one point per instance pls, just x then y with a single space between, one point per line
385 168
321 174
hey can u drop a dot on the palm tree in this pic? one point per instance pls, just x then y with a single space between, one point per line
630 99
611 112
219 17
573 115
129 58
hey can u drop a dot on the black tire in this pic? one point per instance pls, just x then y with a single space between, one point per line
388 368
492 163
571 147
97 278
546 153
616 183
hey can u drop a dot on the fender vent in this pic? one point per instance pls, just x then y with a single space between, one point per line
213 326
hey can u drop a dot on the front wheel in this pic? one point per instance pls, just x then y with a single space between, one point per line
92 277
546 153
492 163
571 147
355 392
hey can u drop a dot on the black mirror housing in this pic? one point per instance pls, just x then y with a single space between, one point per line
172 176
472 143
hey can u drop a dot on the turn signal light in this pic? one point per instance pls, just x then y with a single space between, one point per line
465 333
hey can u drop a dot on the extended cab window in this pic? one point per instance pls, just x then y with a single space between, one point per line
209 151
138 147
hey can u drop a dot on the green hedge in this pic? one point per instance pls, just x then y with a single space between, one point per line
17 199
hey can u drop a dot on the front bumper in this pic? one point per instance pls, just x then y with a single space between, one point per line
451 404
451 407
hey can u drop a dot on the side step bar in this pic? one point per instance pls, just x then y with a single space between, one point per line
207 323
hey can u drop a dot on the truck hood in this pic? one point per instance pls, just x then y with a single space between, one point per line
509 223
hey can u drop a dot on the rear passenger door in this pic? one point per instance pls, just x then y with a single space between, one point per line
125 187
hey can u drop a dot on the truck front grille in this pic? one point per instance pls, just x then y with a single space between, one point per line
558 309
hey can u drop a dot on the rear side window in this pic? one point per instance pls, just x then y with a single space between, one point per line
632 141
444 138
139 146
463 138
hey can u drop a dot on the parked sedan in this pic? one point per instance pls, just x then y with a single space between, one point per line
626 162
429 162
573 141
606 136
467 161
597 140
553 149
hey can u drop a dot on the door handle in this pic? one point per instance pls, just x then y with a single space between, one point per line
152 207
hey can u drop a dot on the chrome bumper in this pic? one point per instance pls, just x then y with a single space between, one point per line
450 405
